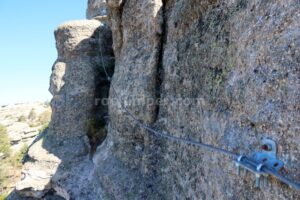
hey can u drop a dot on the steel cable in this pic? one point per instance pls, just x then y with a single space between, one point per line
191 142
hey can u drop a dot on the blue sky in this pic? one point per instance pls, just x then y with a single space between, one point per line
27 45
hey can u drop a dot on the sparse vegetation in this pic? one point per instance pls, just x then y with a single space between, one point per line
44 127
44 117
96 133
10 168
17 159
3 196
8 116
42 120
22 118
34 124
10 159
10 163
32 115
4 142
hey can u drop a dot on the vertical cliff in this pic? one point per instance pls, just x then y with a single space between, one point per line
222 72
225 73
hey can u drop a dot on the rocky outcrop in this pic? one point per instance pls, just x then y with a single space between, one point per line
59 161
73 77
37 174
21 130
224 73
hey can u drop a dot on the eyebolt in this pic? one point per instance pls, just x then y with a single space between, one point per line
238 168
257 180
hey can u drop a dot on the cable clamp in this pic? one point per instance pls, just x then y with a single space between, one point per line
266 157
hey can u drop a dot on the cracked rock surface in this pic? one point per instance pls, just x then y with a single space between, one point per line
222 72
227 74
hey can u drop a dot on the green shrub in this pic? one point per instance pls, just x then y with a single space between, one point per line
96 133
17 159
3 178
3 196
44 127
11 165
22 118
4 141
34 124
8 116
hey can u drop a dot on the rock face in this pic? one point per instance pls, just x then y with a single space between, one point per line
72 81
59 161
227 74
137 46
96 8
222 72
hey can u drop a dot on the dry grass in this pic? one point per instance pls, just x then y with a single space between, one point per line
10 166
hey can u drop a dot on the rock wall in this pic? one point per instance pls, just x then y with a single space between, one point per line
226 73
137 35
59 162
96 8
239 60
222 72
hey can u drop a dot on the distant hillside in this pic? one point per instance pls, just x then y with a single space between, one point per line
19 126
24 121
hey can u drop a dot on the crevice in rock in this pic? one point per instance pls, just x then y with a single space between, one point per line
160 71
96 125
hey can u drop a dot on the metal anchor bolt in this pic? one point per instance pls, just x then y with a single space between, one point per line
238 168
238 165
257 176
266 181
257 180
